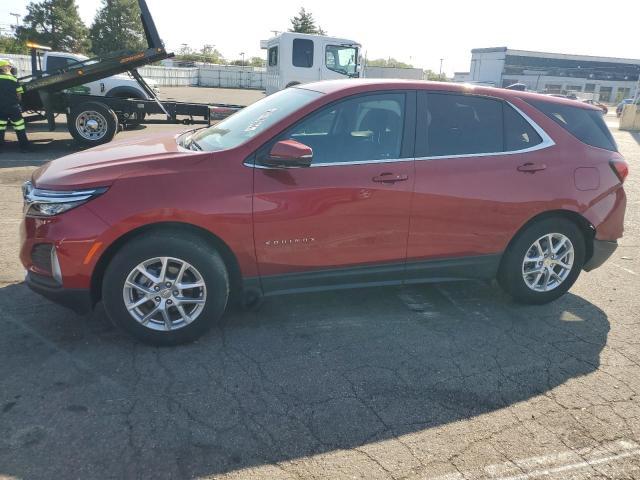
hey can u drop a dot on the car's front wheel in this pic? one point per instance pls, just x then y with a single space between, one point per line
543 262
165 288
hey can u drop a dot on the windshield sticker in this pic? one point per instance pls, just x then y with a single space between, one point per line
259 121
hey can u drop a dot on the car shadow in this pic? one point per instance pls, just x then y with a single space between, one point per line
305 375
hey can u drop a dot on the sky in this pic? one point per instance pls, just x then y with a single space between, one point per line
420 33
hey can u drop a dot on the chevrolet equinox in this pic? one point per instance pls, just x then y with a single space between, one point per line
328 185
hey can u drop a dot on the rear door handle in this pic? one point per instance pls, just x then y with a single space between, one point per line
531 167
389 177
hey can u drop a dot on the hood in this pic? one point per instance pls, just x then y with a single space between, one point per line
101 166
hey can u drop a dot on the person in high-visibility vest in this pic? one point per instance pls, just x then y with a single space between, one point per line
10 95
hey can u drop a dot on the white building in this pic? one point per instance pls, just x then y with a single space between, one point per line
604 78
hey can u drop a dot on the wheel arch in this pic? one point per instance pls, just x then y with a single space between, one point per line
229 258
580 221
126 92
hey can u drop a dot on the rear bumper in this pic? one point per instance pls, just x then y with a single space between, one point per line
76 299
602 250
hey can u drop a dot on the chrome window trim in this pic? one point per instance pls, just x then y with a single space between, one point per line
546 142
336 164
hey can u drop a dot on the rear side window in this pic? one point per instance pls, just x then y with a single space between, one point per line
273 56
302 53
586 125
461 124
518 133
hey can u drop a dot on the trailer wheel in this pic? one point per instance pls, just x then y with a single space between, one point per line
92 123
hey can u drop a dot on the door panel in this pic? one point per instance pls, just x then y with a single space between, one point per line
466 204
336 214
313 218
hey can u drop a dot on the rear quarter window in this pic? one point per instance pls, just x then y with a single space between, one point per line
584 124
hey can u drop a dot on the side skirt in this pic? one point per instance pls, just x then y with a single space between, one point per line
430 271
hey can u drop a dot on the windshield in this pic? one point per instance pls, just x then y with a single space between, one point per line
251 120
342 59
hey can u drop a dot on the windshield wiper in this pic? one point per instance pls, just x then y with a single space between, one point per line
189 142
195 144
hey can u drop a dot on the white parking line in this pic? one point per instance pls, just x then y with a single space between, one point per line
530 467
625 269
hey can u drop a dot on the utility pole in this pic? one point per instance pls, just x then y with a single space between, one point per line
242 55
18 16
441 60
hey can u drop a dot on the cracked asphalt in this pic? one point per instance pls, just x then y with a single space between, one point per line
446 382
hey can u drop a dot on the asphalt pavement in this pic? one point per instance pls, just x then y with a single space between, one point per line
447 382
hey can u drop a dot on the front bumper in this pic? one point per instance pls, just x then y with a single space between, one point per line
76 299
602 250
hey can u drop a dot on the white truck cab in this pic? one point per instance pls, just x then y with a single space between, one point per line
294 58
122 85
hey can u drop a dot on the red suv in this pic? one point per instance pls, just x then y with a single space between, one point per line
328 185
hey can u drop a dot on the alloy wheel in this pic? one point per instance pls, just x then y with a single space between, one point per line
548 262
164 293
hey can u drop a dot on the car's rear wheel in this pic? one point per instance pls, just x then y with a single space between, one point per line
165 288
543 261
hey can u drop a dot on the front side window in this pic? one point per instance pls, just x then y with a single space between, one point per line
250 121
59 63
302 53
363 128
342 59
273 56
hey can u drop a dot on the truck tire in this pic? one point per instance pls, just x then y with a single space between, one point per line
92 123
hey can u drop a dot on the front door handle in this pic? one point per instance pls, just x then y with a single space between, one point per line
531 167
389 177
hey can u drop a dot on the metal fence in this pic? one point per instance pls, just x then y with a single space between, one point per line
21 62
213 75
171 76
231 76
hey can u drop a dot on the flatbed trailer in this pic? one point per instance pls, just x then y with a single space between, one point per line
94 119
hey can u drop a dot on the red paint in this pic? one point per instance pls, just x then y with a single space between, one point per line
282 221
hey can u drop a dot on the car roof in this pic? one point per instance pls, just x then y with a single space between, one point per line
357 85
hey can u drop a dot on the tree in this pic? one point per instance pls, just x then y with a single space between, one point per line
11 45
388 62
207 54
55 23
304 23
117 26
256 62
437 77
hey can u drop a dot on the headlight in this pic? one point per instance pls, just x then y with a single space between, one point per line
47 203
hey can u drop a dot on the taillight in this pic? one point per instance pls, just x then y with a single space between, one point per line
620 168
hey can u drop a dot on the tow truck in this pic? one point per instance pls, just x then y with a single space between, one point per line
93 119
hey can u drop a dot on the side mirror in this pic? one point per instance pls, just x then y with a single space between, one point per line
289 154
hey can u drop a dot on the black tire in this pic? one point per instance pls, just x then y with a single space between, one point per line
510 274
108 122
167 244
